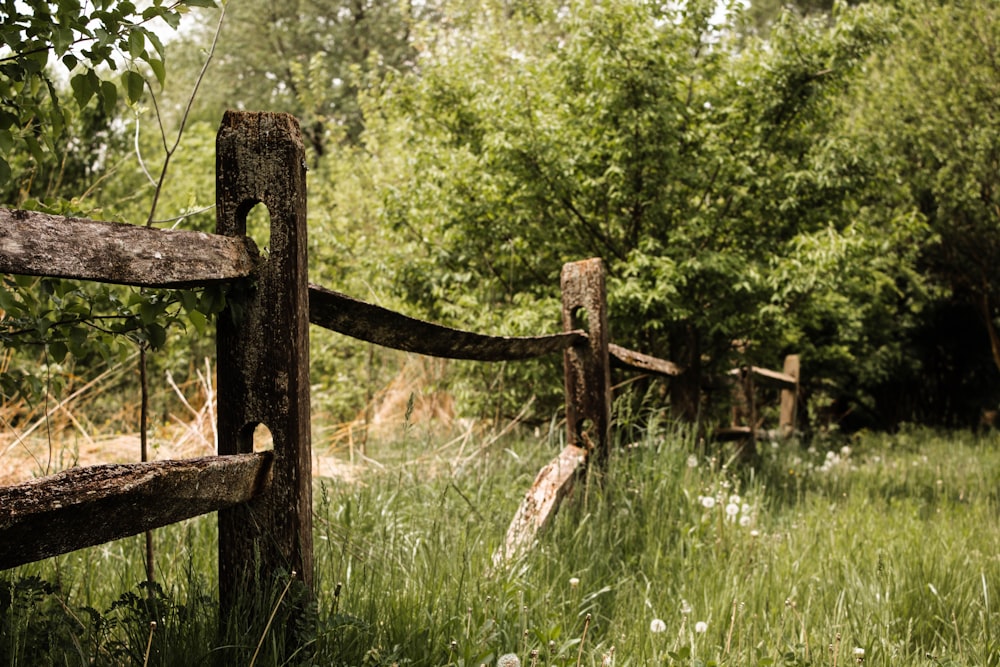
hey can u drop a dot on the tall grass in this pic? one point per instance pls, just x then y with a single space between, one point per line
883 550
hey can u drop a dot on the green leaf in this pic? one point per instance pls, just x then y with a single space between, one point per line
4 171
34 148
133 83
57 351
136 43
201 3
157 335
84 86
198 320
109 96
148 312
159 71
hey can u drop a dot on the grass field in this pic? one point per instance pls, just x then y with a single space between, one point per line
880 550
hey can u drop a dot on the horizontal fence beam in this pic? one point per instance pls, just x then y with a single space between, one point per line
769 377
39 244
83 507
374 324
625 358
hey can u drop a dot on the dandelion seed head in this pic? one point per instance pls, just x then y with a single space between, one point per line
692 461
732 509
508 660
701 627
708 502
574 582
657 626
734 500
685 607
745 521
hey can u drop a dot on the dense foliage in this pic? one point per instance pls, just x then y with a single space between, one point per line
820 181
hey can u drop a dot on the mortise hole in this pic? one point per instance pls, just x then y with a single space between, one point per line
258 227
580 318
262 440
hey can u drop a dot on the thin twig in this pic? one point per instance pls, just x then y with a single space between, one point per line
184 117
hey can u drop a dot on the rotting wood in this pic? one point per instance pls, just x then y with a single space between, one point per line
374 324
541 502
625 358
789 397
586 365
39 244
769 377
263 353
82 507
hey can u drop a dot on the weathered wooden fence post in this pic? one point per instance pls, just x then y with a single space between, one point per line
263 353
789 397
587 370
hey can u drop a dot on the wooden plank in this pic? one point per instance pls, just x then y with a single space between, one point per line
84 507
374 324
631 359
263 356
540 503
770 378
39 244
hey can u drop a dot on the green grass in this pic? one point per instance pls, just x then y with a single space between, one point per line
892 546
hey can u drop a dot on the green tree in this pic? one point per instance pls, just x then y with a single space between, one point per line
98 51
930 107
309 58
639 133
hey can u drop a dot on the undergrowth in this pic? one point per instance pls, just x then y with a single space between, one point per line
880 550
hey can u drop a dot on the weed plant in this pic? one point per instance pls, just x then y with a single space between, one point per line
878 550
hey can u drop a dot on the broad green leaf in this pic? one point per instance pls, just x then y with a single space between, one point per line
57 351
109 96
157 335
84 87
133 83
136 42
159 71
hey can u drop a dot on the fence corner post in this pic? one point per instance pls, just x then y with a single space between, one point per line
789 397
587 369
263 355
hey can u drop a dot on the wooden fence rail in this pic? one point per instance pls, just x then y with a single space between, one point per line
264 499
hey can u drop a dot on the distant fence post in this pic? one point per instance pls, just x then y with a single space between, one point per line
587 370
263 353
789 397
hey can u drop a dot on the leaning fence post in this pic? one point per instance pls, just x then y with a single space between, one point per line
263 353
587 372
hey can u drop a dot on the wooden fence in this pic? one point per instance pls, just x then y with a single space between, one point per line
264 498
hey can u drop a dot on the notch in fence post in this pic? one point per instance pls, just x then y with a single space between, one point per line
263 356
586 364
789 397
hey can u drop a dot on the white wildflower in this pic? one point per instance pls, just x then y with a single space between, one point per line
657 626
